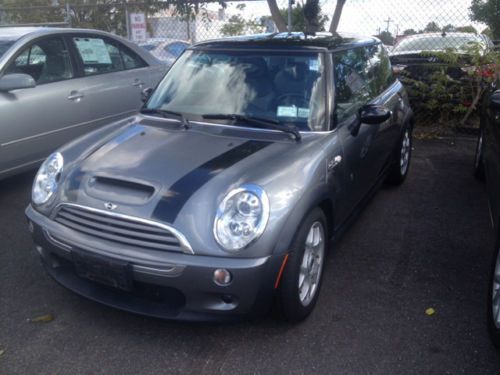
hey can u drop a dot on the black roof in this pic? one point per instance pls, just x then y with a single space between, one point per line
318 41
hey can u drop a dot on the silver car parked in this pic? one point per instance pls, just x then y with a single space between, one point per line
220 196
56 84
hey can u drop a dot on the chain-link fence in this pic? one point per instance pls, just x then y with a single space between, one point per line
439 48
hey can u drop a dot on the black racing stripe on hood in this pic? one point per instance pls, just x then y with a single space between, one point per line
179 193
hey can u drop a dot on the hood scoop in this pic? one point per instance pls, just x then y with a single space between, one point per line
119 190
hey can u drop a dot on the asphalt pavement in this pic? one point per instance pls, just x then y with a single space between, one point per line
426 244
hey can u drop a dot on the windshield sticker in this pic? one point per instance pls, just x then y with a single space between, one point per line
287 111
93 51
354 81
314 65
303 112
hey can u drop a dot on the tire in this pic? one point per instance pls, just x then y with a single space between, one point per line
494 298
296 303
478 158
401 159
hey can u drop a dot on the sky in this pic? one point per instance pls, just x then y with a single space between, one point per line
367 16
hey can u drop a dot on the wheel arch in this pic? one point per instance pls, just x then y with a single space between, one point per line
319 199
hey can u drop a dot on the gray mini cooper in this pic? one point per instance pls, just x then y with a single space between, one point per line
218 200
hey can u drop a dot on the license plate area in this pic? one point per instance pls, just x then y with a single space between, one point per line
103 270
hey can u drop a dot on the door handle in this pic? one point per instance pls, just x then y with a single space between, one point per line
75 96
333 163
138 83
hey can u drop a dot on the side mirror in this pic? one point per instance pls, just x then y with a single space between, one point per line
374 114
495 100
16 81
145 94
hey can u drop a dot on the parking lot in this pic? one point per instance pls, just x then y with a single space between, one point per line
424 245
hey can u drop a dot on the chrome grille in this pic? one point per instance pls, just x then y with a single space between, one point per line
122 229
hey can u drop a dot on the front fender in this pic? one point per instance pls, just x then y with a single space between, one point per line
321 196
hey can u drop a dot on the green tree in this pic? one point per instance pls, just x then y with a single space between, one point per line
234 26
488 12
237 25
386 38
301 22
466 29
30 11
311 14
432 27
449 28
109 15
487 32
410 32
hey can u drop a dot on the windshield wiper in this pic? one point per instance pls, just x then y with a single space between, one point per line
259 122
167 114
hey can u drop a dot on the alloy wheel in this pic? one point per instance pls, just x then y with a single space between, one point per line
405 153
479 151
496 293
312 263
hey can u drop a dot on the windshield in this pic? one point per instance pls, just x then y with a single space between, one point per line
285 87
5 45
437 43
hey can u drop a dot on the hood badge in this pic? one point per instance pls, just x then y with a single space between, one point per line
110 206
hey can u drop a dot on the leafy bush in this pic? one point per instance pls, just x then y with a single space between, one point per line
453 83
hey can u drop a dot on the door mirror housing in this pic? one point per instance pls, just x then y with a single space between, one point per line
16 81
374 114
370 114
146 93
495 100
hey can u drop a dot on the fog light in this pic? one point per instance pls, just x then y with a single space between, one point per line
222 277
31 227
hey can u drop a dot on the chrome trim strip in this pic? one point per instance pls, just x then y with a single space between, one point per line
15 141
58 243
185 246
173 271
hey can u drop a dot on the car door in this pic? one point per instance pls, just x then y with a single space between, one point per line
490 119
385 91
363 144
113 76
37 120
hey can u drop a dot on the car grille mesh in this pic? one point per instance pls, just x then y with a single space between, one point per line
122 230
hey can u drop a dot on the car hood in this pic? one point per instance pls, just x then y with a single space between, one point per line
177 176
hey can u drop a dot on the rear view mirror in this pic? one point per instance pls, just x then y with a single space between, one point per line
374 114
16 81
145 94
495 100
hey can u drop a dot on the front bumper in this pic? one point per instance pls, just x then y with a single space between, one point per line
167 285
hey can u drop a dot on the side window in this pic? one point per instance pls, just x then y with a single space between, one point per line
131 59
47 60
351 82
100 56
380 76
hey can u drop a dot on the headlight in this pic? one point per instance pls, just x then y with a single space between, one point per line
47 179
241 217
